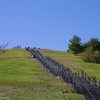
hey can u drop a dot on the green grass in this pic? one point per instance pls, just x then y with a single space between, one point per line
23 78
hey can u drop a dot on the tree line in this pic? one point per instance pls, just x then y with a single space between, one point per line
90 51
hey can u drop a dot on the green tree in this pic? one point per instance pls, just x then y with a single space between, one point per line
75 45
94 43
84 46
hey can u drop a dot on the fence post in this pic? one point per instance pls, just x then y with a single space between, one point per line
70 79
95 80
75 74
78 74
83 73
61 73
77 89
99 85
74 86
68 70
85 76
90 97
89 79
83 90
67 79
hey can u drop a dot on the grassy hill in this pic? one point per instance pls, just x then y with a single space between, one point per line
23 78
73 62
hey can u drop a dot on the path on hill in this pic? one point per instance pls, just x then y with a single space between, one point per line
82 83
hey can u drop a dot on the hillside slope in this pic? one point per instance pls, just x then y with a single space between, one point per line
73 62
23 78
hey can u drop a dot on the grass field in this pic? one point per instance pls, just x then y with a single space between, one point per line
23 78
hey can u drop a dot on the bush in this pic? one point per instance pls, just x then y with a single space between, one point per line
97 57
90 56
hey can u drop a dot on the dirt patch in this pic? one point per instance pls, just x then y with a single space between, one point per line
1 90
51 86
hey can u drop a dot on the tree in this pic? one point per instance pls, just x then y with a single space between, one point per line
2 47
95 44
75 45
85 45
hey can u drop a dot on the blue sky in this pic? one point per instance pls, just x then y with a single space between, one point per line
48 24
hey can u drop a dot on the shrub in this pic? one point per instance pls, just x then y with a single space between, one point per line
88 55
97 57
